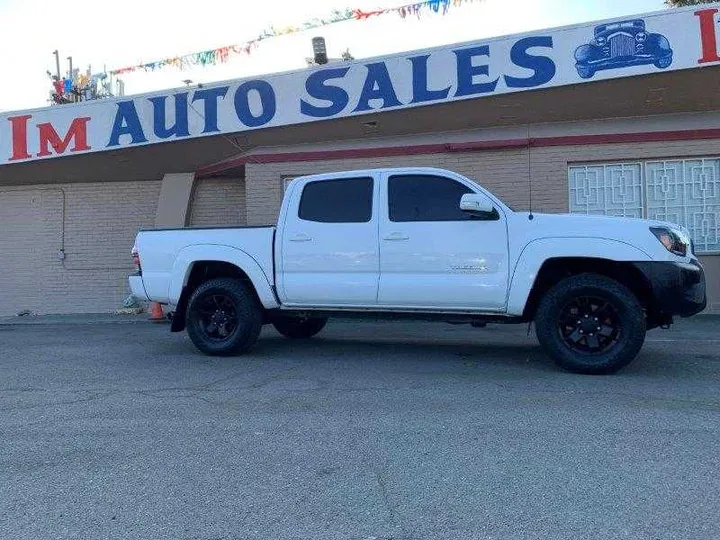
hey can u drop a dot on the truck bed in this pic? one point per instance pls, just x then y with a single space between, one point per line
161 250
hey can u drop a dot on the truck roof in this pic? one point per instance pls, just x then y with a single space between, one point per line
378 170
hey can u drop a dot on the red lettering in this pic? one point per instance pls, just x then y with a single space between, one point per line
19 136
77 133
708 36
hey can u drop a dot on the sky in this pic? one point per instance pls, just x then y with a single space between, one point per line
111 35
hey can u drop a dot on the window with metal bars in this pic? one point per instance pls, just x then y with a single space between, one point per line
682 191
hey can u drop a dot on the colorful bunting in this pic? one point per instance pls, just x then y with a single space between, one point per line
223 54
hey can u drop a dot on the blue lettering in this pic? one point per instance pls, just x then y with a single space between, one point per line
180 128
466 72
421 92
379 77
210 97
267 100
542 66
126 122
316 88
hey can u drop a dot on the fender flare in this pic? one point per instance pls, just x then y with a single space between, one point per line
537 252
188 256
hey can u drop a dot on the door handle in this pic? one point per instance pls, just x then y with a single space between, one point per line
300 238
396 236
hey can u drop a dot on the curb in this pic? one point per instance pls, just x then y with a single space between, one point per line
42 320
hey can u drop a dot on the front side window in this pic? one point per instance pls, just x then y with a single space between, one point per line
346 200
421 197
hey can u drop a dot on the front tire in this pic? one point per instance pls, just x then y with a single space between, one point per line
590 324
299 328
223 317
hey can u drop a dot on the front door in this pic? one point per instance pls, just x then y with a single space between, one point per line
329 243
434 255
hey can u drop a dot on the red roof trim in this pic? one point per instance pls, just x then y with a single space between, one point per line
619 138
471 146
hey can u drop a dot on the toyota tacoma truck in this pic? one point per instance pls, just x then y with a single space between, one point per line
430 244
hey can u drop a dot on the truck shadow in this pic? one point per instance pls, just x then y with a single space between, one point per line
510 350
490 360
389 351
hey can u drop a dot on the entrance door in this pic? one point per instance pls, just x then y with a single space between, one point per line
434 255
330 253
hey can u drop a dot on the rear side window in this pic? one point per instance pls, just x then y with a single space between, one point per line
347 200
420 197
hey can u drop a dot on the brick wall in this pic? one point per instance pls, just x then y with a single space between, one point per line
218 201
97 223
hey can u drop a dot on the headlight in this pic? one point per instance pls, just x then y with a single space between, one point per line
675 242
601 41
641 36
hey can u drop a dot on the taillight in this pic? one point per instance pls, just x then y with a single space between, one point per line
136 258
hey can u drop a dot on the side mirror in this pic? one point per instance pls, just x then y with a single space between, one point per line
477 204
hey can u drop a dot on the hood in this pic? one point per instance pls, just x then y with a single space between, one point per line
596 223
633 231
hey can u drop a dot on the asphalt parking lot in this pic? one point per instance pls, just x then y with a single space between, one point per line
370 431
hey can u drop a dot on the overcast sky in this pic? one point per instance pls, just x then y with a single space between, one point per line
116 34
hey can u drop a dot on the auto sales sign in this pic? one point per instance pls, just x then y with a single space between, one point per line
673 39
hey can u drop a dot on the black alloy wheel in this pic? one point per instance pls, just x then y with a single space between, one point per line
590 325
224 317
217 316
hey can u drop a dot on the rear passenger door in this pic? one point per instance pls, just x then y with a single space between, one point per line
329 244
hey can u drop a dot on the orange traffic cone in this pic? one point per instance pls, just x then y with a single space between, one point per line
156 312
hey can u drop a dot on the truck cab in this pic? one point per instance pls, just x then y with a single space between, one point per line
411 240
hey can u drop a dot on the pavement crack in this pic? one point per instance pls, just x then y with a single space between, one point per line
93 397
385 495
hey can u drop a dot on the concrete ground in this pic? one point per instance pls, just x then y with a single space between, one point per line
113 428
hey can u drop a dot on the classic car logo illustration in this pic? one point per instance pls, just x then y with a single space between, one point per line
620 45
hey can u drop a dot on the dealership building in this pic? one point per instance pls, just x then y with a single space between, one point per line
616 117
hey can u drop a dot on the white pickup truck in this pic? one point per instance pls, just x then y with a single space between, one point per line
424 243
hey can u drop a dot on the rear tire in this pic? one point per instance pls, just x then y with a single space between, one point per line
299 328
223 317
590 324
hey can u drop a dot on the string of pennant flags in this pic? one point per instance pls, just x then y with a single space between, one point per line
222 55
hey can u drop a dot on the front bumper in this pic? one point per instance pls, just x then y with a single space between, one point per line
676 288
604 62
137 287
